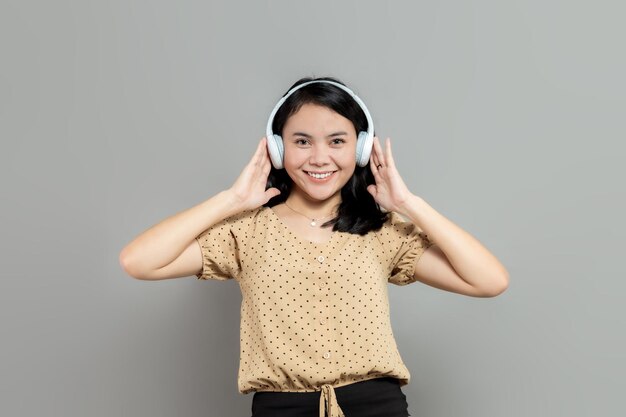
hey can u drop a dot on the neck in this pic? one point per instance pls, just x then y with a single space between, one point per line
314 208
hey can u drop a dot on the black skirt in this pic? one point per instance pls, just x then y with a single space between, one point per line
379 397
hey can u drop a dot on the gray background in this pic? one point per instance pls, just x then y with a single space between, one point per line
504 116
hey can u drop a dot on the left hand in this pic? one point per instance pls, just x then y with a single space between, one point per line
390 192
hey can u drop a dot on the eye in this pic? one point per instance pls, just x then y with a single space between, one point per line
341 140
298 141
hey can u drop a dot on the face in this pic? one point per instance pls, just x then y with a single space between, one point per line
317 139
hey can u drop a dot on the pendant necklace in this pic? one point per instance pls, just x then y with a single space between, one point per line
313 221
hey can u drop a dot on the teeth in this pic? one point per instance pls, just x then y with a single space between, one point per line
319 176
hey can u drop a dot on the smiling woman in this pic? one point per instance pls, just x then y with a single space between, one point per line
321 127
320 137
313 230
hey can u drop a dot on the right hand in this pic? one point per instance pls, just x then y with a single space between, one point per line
249 189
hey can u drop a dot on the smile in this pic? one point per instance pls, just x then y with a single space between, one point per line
320 176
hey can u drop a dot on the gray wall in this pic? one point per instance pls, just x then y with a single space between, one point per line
504 116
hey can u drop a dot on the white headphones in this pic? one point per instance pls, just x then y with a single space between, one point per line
364 142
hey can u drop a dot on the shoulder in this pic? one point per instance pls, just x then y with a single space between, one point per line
249 219
396 229
248 216
395 222
241 223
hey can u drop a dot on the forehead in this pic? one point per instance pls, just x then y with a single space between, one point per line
316 118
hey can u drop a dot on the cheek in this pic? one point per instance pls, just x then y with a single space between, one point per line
348 157
292 157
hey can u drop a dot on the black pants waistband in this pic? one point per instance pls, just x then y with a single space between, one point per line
370 398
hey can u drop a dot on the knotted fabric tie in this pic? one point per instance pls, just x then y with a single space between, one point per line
329 407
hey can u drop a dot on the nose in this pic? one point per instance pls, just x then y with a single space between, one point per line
319 154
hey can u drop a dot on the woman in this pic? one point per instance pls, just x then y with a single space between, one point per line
312 232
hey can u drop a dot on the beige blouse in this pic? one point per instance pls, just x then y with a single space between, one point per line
314 316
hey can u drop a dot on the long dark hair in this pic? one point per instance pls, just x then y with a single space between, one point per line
358 212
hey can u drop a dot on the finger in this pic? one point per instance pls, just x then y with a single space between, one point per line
264 149
389 154
257 151
375 152
373 159
266 170
373 165
265 167
372 190
258 154
379 153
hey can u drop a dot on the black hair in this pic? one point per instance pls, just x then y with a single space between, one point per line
358 212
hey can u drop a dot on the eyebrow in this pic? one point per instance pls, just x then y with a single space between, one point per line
306 135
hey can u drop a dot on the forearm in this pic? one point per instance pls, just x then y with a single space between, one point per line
165 241
470 259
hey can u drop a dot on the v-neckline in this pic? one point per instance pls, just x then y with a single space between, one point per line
299 238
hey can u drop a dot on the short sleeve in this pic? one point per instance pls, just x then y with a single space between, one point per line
221 246
412 242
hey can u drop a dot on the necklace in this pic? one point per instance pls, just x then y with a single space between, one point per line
313 221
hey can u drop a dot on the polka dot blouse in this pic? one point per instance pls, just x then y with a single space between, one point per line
314 316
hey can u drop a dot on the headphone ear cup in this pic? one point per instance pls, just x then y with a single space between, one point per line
363 148
276 150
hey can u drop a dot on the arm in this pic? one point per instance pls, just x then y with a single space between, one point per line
168 249
457 262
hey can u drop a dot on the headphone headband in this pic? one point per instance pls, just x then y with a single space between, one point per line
370 124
